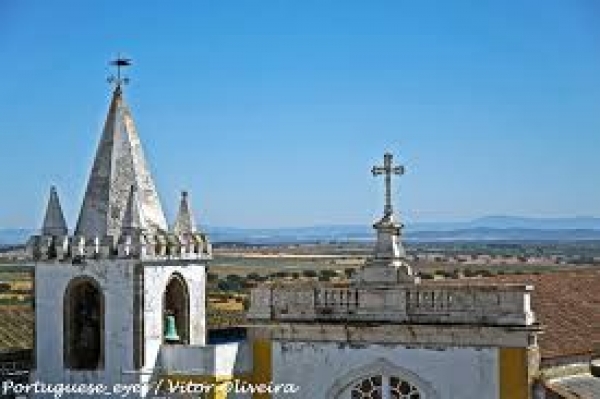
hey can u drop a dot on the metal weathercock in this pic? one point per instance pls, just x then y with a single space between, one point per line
119 63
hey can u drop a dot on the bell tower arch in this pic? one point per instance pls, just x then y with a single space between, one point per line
84 322
176 305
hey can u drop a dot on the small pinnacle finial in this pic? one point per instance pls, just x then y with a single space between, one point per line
118 80
54 220
184 223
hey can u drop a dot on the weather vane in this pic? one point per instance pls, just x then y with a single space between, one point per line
119 62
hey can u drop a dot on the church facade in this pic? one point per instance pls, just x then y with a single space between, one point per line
122 301
388 335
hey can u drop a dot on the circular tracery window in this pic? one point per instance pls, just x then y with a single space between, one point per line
394 387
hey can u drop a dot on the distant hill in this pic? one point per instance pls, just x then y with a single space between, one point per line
491 228
502 228
508 234
513 222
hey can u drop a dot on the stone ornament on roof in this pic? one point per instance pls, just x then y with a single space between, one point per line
54 219
184 223
388 264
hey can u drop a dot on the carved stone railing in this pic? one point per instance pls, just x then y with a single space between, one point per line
502 304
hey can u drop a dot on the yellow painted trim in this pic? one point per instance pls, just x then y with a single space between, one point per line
220 392
513 370
263 368
262 373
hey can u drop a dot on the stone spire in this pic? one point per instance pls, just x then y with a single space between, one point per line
388 262
54 220
184 224
119 164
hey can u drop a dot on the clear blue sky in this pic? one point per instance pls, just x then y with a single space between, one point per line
272 112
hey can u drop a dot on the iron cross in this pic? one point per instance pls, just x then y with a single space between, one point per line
388 169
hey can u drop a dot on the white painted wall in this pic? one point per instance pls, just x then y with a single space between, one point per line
156 278
450 373
115 278
210 360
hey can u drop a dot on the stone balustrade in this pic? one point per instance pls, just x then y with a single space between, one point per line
431 303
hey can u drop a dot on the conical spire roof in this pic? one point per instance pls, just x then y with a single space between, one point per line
184 224
54 220
119 164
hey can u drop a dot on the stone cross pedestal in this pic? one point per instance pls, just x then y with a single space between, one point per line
388 263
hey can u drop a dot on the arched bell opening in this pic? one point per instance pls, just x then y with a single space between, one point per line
176 311
84 319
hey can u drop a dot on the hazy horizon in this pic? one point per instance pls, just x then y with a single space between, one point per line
368 223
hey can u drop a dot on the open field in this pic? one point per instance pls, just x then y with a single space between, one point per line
270 264
16 312
16 327
567 249
16 285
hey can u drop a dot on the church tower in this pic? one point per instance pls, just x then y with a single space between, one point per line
105 295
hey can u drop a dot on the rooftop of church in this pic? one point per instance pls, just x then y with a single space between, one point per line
583 385
567 305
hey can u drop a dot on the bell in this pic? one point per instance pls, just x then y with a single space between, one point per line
171 330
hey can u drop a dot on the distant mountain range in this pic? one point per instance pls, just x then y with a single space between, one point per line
513 222
490 228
